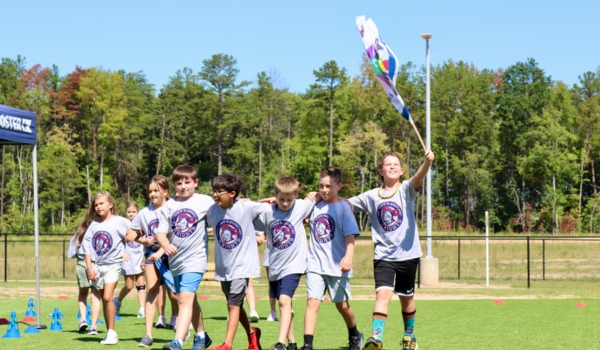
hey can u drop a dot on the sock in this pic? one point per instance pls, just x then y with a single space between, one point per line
378 325
308 339
179 341
409 323
201 334
353 331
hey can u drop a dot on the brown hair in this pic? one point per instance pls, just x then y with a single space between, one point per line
184 172
287 185
90 215
334 174
133 204
161 182
227 182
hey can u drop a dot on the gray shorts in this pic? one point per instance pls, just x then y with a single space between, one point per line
235 291
82 279
317 285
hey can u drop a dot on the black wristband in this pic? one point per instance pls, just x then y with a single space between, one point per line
139 233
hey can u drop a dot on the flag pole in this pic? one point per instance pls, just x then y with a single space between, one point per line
418 135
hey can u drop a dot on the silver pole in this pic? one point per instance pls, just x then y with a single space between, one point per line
428 145
487 251
37 238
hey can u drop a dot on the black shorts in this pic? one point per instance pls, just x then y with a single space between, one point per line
397 275
235 291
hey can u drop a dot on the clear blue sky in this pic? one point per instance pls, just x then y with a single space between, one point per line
295 38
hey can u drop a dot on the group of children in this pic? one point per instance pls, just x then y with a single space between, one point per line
175 233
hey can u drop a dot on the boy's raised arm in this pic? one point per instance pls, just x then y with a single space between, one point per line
419 176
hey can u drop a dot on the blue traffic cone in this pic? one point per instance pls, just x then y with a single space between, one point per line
88 317
56 324
32 330
13 328
30 307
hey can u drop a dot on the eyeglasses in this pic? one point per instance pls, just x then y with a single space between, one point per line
219 193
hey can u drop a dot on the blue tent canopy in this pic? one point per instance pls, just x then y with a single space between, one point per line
17 126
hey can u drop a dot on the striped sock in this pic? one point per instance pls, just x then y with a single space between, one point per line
378 325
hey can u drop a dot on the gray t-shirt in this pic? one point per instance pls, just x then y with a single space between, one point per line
184 222
107 240
236 251
135 255
287 247
87 240
393 223
147 221
330 224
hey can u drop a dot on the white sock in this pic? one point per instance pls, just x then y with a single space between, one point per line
200 334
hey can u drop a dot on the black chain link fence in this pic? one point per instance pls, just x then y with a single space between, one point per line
514 261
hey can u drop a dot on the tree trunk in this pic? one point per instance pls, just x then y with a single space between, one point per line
593 176
162 140
219 142
87 177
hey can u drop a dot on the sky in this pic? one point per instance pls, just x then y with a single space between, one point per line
294 38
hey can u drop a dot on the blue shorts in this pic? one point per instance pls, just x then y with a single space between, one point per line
286 286
187 282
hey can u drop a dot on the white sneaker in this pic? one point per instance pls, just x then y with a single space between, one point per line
160 323
254 316
111 338
272 316
141 313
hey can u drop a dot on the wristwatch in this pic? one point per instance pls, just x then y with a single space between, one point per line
139 233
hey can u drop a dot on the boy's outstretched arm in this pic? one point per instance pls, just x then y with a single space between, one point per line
346 262
162 239
419 176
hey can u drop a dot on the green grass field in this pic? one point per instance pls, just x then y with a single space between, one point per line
441 324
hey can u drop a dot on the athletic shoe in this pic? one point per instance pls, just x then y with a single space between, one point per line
173 322
141 313
373 344
173 345
111 338
145 342
93 331
292 346
254 316
272 316
409 343
278 346
201 344
186 337
307 347
82 326
254 340
355 342
221 347
117 304
160 323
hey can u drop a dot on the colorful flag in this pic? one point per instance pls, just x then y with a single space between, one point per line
383 61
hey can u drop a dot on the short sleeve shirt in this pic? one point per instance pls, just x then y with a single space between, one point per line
236 251
330 224
147 221
107 240
184 222
393 222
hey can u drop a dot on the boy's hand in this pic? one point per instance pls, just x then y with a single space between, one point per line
170 250
130 236
270 200
429 156
312 196
91 274
346 263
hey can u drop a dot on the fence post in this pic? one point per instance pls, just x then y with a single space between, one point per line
528 264
5 256
459 258
543 259
63 260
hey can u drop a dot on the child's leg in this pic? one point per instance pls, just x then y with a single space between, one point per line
95 314
126 288
235 316
141 289
174 303
82 302
186 310
251 300
315 290
285 319
347 313
152 296
109 306
409 314
161 300
197 320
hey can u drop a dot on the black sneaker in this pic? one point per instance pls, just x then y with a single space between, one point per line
409 343
307 347
373 344
292 346
82 327
355 342
145 342
278 346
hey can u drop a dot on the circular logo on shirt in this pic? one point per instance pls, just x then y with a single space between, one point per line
152 227
102 242
184 223
283 234
133 245
229 234
324 228
390 216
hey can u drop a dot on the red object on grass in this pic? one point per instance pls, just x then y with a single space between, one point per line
326 299
202 297
3 321
28 319
62 297
498 302
580 304
256 298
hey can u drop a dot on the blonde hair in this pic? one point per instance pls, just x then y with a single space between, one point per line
90 215
287 185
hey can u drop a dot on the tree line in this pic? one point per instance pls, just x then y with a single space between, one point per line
510 141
